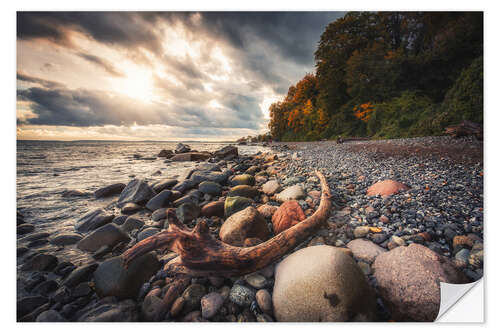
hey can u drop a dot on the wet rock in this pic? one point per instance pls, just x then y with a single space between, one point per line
210 304
246 316
365 250
212 188
131 224
80 274
124 311
159 214
287 215
166 184
148 232
40 262
226 152
137 191
187 212
27 304
192 156
176 308
214 208
386 188
271 187
236 204
160 200
241 295
246 223
50 316
203 175
243 191
113 279
130 208
399 271
182 148
244 179
65 239
35 237
167 153
25 228
295 192
109 234
322 283
109 190
189 198
119 220
93 220
46 287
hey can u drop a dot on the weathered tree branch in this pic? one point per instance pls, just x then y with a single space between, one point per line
202 255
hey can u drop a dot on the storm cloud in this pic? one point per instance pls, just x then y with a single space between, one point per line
208 70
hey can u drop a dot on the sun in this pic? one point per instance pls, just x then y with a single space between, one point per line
137 84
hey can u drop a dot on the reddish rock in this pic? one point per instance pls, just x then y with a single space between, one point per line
425 235
215 208
267 210
409 281
384 219
247 223
287 215
386 188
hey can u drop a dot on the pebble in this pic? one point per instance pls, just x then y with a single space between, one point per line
264 301
241 295
210 304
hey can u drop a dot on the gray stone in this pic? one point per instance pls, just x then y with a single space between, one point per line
159 214
122 312
192 297
264 301
187 212
148 232
130 208
93 220
27 304
160 200
65 239
50 316
131 223
109 190
166 184
137 191
40 262
112 278
109 234
211 188
80 274
295 192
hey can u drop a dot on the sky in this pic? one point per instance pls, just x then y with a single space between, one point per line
158 75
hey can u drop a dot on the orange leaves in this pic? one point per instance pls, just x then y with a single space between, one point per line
363 112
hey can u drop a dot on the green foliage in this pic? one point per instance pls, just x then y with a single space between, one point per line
388 75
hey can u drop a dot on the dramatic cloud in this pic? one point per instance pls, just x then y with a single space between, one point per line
199 73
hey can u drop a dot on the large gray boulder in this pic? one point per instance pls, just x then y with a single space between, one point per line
137 191
93 220
112 278
322 283
109 234
409 278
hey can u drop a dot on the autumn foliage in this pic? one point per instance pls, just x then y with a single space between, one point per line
387 74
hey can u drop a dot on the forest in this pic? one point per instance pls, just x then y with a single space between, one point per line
387 75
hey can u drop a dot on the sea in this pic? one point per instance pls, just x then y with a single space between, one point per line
47 169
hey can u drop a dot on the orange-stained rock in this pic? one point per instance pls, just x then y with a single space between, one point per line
215 208
462 241
267 210
287 215
386 187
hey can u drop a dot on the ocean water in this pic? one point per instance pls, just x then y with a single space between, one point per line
46 169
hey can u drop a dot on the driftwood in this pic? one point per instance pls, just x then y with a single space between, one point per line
202 255
465 128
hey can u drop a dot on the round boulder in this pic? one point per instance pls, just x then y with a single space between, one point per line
247 223
322 283
409 281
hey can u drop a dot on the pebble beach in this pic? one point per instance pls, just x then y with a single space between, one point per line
361 265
